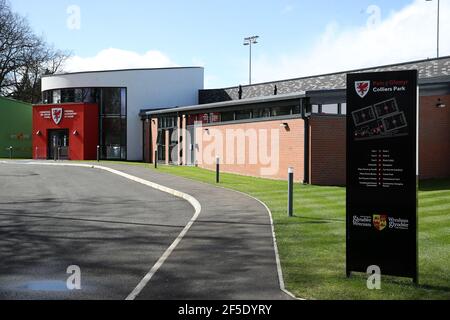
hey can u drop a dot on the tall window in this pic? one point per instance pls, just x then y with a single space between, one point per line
166 124
161 143
113 123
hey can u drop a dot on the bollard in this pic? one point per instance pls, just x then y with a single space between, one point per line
10 152
98 153
54 153
217 170
291 192
155 160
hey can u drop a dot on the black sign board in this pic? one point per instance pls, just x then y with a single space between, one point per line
382 172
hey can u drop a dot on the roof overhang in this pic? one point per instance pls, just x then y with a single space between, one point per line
225 104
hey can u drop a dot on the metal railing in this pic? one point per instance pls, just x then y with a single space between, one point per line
62 153
56 153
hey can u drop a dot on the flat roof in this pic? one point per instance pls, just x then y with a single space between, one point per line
224 104
119 70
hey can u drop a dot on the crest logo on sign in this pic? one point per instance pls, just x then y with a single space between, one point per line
57 114
362 88
380 221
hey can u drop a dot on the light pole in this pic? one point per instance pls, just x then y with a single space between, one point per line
438 23
249 41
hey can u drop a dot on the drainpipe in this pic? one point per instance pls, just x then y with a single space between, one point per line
304 104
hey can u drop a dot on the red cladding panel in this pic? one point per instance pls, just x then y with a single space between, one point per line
81 120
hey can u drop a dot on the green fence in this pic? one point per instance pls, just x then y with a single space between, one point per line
15 129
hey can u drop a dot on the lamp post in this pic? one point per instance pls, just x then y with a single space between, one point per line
438 23
249 41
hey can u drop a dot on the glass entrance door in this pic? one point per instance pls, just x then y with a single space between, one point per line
58 144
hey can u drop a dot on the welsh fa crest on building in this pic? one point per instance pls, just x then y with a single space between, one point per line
57 114
362 88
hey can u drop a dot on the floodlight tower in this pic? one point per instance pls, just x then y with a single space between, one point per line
438 23
249 41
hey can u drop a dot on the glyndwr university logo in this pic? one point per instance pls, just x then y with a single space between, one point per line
380 221
362 88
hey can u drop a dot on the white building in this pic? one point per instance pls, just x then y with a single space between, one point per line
121 94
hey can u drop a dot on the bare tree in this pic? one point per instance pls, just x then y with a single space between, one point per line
24 57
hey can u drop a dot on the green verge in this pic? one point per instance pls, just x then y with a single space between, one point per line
312 243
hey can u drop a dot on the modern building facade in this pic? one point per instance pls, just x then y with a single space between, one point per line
261 130
82 110
15 128
308 114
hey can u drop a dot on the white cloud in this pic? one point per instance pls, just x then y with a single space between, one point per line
287 9
110 59
402 36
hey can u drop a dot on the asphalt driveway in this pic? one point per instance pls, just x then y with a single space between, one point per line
115 229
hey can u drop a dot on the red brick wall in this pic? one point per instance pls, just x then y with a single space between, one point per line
150 137
291 151
327 150
434 138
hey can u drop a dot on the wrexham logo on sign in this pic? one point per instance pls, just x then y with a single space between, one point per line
57 114
362 88
380 221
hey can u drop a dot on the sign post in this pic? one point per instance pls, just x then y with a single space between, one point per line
382 173
217 170
291 192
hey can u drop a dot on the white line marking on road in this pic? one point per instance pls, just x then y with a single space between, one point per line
194 202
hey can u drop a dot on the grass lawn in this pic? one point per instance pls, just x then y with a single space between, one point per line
312 244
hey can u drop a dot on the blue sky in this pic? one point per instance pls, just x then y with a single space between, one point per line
294 34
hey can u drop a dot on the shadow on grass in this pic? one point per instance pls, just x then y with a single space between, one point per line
319 220
434 185
424 286
431 287
309 220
